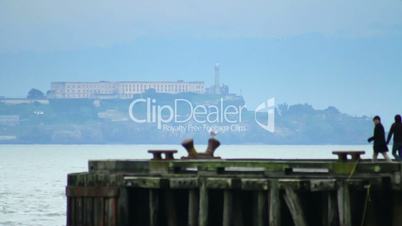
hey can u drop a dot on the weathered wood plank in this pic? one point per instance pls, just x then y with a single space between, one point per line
397 208
260 199
96 191
183 183
153 207
203 209
69 211
110 212
99 211
73 220
254 184
106 209
113 215
329 209
219 183
322 184
193 207
79 211
278 166
84 211
227 207
146 182
294 183
274 204
344 210
238 218
293 202
272 166
123 207
170 208
135 166
88 211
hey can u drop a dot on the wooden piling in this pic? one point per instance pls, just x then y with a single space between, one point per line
397 209
110 212
259 208
293 202
153 207
344 210
99 206
69 211
79 211
106 212
274 205
227 207
193 207
123 207
203 209
88 211
71 220
170 208
238 219
329 209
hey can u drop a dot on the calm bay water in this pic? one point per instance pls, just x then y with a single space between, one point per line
33 177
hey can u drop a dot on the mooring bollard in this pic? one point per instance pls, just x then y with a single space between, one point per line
188 144
157 154
213 144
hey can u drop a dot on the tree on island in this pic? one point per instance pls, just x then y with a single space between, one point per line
35 94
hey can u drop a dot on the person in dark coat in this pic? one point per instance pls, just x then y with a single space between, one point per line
396 131
379 146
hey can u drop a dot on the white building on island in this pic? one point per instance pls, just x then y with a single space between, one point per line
122 89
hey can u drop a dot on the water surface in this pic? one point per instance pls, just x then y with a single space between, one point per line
33 177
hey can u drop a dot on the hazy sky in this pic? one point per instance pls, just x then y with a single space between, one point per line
341 53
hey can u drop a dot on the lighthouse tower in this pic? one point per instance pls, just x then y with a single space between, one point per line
217 85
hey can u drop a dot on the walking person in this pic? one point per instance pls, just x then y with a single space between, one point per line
396 131
379 146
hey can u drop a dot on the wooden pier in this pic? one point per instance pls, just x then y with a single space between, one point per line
235 192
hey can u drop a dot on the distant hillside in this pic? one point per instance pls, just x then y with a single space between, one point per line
302 124
88 121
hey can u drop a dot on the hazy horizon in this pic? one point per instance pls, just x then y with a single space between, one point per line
297 52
